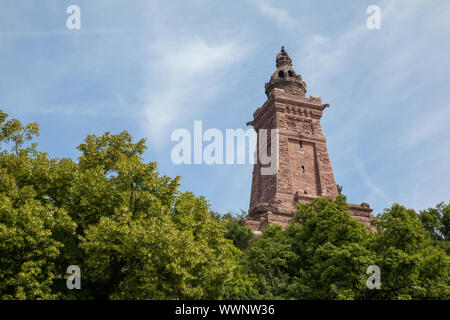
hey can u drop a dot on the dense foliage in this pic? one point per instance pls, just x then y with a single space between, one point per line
134 235
325 253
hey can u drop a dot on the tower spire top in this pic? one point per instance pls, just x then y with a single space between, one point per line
283 58
285 77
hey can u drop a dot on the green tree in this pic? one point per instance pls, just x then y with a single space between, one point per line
269 260
332 251
33 230
140 237
324 254
134 235
436 222
237 231
164 253
411 266
130 230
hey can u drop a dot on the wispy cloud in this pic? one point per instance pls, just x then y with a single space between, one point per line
188 72
67 32
163 64
374 191
280 16
426 127
391 88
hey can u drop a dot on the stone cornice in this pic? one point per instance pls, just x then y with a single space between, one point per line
278 101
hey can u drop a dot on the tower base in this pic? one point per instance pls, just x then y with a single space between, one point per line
267 214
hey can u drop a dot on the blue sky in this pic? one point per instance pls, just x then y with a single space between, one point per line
150 67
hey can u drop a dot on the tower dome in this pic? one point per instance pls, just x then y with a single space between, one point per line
285 77
283 58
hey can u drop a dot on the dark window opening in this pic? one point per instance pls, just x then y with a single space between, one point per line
301 144
281 74
290 73
303 169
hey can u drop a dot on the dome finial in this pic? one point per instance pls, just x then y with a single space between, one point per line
283 58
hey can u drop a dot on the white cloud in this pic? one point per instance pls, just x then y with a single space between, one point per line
328 53
188 72
280 16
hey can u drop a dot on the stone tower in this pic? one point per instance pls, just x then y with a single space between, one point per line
304 171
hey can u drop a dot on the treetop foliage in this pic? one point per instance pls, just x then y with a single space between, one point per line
134 235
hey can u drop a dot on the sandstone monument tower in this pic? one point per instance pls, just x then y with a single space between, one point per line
304 171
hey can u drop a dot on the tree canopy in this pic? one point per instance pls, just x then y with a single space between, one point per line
135 235
130 230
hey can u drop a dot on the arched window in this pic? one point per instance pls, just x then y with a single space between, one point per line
290 73
281 74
